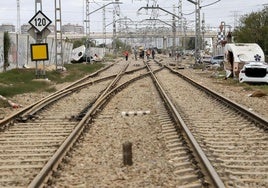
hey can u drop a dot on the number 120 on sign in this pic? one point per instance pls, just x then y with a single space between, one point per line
40 21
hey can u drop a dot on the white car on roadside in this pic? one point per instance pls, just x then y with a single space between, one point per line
254 72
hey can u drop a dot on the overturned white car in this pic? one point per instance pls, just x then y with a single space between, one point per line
237 54
254 71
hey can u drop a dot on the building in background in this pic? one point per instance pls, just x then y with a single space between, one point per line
72 29
69 28
24 28
7 27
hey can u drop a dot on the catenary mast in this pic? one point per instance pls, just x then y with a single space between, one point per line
18 16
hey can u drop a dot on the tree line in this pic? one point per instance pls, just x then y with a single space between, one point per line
253 28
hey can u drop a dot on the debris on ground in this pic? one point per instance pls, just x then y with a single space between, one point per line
12 104
257 94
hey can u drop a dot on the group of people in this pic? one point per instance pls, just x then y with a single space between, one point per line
148 53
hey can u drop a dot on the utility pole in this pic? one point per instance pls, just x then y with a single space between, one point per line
18 17
38 5
203 32
174 34
104 26
182 22
180 15
88 20
18 31
197 29
114 33
184 32
58 35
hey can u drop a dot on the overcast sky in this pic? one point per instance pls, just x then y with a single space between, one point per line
73 11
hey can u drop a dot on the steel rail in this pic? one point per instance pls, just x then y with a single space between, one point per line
213 175
57 96
40 179
253 116
10 119
123 85
71 139
70 89
28 111
87 77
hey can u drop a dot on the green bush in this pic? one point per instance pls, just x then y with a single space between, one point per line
7 45
18 81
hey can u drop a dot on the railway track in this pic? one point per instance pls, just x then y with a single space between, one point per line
233 138
27 144
114 109
161 158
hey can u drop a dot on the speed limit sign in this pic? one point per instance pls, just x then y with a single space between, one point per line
40 21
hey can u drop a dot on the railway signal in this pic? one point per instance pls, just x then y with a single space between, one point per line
39 31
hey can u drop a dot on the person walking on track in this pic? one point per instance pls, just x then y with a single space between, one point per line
126 55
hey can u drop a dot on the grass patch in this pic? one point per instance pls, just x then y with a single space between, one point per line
4 103
74 72
246 86
18 81
255 87
235 83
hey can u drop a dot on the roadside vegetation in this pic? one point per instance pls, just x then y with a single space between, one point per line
7 44
248 86
18 81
